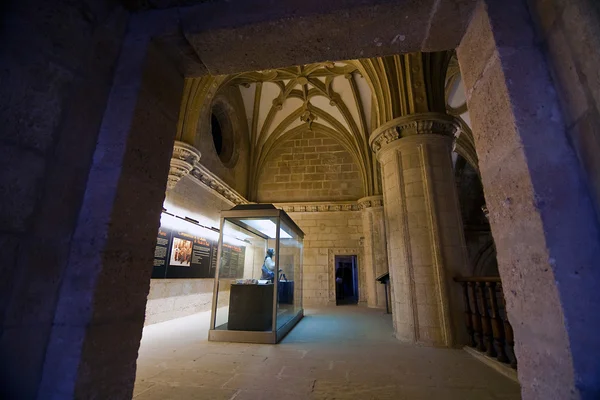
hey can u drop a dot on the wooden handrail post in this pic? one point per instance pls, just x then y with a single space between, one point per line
468 315
486 318
486 325
476 320
497 324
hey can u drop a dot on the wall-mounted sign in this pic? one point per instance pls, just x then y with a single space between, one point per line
180 254
232 261
161 253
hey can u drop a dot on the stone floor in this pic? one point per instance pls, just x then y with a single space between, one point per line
333 353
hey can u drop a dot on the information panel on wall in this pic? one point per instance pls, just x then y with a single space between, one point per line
161 253
232 261
180 254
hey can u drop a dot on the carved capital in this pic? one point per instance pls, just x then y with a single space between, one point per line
369 202
185 152
183 160
411 125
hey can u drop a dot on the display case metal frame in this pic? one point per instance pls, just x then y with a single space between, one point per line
255 211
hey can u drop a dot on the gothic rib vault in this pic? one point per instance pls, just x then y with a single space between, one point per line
345 101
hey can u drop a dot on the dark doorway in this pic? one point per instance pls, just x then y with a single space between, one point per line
346 280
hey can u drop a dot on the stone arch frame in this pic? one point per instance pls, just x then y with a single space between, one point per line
481 259
504 70
346 251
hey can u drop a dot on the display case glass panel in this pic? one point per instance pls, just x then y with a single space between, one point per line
258 284
241 253
289 292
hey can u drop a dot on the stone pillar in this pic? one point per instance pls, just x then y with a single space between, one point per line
424 228
540 209
375 249
99 314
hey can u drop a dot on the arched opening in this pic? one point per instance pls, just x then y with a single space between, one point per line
225 139
533 185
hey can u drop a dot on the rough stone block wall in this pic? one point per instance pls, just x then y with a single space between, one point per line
541 214
112 247
58 61
175 298
310 167
325 231
570 33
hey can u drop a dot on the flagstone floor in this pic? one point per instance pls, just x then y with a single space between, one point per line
345 352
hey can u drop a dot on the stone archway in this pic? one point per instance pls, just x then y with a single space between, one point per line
532 182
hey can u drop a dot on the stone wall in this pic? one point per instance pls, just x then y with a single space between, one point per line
310 167
570 32
175 298
541 213
58 61
328 233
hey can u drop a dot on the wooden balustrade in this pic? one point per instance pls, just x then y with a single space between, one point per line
486 319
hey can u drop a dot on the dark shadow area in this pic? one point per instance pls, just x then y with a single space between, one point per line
346 280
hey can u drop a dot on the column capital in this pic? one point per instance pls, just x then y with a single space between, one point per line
430 123
183 160
370 201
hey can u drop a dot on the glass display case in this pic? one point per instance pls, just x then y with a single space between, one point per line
257 296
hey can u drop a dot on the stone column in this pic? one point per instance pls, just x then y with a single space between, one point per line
375 248
101 300
424 228
540 206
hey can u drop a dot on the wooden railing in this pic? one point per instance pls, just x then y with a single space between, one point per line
486 319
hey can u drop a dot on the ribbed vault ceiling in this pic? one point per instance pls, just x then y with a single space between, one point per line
332 98
344 100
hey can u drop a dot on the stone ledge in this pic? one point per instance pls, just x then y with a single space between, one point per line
319 206
490 362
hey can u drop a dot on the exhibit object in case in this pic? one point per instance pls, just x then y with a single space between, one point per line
257 296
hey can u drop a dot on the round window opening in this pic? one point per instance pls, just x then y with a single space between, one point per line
223 135
217 133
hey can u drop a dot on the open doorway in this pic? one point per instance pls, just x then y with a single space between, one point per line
346 280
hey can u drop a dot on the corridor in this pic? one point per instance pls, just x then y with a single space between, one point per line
333 353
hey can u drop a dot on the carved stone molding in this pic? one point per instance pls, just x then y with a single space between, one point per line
214 183
410 125
183 160
318 207
371 201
